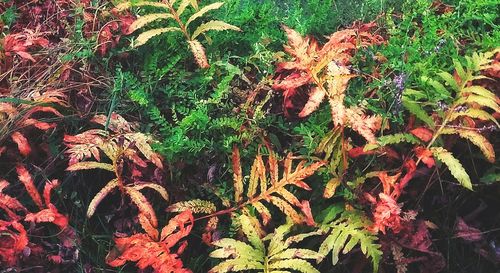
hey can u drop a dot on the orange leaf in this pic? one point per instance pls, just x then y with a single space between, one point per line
27 180
237 174
423 133
425 155
22 143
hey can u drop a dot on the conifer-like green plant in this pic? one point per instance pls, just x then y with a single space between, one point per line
174 10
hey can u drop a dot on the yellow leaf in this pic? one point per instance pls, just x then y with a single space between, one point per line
237 175
90 165
100 196
158 188
213 25
477 139
199 53
146 36
146 19
126 5
330 187
142 204
204 10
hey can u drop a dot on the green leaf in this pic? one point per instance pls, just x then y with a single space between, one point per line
448 78
455 167
418 111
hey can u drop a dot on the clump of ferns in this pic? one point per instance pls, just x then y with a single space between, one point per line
131 159
175 10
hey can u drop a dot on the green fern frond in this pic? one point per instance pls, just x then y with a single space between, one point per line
347 231
277 257
455 167
416 109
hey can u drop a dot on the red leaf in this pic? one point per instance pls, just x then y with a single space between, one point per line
466 232
306 209
423 133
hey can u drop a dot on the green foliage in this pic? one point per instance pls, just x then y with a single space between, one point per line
346 230
278 256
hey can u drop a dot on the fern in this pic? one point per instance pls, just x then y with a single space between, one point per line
171 12
123 144
346 231
456 169
276 257
471 102
261 190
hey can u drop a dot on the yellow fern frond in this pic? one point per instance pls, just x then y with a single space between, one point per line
146 19
204 10
475 138
126 5
199 53
196 206
90 165
158 188
142 204
237 175
100 196
474 113
146 36
213 25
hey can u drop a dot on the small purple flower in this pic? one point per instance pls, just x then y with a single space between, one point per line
461 108
441 42
489 128
399 82
443 106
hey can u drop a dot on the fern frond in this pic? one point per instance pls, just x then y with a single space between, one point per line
259 191
475 138
415 109
111 185
196 206
483 101
202 11
213 25
345 233
27 180
278 257
127 5
474 113
396 139
199 53
146 36
149 18
90 165
455 167
142 203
